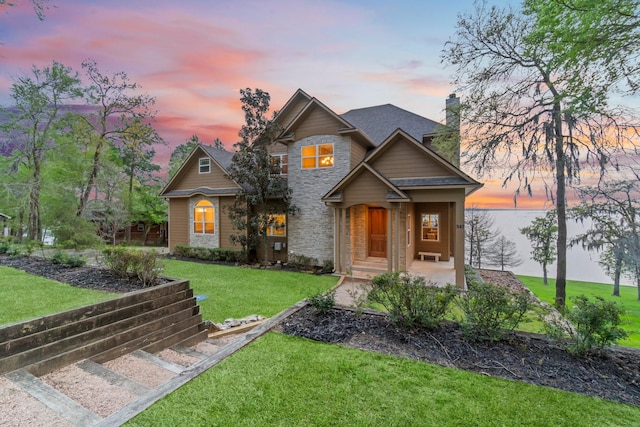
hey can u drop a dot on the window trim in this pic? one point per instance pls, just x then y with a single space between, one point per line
201 165
203 208
408 230
271 227
281 163
437 227
317 156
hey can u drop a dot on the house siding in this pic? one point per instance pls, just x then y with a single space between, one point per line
311 229
190 178
178 223
404 160
365 188
317 123
358 152
226 227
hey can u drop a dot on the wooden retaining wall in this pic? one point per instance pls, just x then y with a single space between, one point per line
150 319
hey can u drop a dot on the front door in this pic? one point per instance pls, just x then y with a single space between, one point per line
378 232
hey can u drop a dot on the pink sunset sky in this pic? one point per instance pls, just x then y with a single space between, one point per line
194 56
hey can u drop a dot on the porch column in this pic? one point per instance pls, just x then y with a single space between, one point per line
458 261
389 240
343 240
396 256
336 239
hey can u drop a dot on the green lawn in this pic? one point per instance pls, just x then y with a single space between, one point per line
239 292
24 296
288 381
628 300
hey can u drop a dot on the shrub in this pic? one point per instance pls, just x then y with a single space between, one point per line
133 263
491 311
67 260
595 324
74 232
323 301
209 254
409 300
4 247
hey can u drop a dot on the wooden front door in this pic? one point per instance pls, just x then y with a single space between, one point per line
378 232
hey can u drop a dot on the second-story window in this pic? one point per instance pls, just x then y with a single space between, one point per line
279 164
205 165
317 156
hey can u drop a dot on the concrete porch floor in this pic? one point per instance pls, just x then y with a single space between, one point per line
440 273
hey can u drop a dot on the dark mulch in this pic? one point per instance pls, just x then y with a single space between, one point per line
612 375
82 277
531 358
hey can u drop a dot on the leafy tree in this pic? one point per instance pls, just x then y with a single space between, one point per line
262 193
180 154
543 233
119 117
503 253
148 208
530 109
479 234
614 211
39 109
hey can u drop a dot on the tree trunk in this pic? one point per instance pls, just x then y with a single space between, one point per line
86 192
34 231
616 276
544 274
561 205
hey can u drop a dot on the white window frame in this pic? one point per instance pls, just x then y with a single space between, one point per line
430 225
202 165
317 156
408 229
203 220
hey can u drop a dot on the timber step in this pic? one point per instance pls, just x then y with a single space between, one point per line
150 319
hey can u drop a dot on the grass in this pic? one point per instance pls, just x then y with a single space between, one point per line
25 296
239 292
288 381
628 300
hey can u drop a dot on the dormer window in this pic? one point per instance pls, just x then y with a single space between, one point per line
204 165
317 156
279 164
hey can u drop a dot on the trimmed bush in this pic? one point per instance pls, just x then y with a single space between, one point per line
133 263
67 260
323 301
596 325
208 254
409 300
492 311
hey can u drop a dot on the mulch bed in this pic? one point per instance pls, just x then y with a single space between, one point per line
614 374
82 277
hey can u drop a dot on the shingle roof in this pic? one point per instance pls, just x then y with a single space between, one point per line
381 121
220 155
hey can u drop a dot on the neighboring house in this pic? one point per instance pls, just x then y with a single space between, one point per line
367 184
3 224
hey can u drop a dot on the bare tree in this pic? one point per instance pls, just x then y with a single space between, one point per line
529 113
503 253
479 234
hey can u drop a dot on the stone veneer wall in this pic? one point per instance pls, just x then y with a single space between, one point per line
310 231
359 233
205 240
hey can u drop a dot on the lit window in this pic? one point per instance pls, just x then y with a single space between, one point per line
277 225
279 164
203 217
317 156
431 227
205 165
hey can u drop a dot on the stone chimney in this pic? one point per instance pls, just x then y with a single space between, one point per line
452 110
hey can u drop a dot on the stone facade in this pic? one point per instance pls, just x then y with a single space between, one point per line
310 231
205 240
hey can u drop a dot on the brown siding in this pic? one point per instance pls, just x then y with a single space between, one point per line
278 148
365 188
443 246
404 160
318 122
357 153
190 177
178 223
284 120
226 228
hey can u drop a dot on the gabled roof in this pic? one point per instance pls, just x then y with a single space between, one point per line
298 96
380 121
393 193
314 103
457 179
220 157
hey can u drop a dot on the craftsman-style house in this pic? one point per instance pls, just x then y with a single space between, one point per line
367 183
